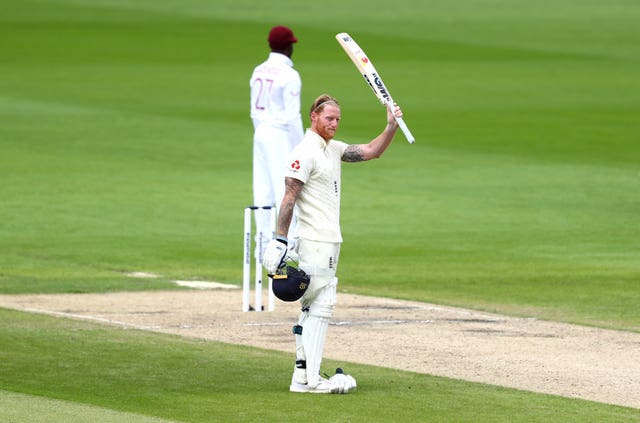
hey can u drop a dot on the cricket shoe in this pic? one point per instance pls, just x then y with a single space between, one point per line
324 387
339 383
299 376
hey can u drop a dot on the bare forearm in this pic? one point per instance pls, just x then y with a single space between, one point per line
292 188
284 217
380 143
377 146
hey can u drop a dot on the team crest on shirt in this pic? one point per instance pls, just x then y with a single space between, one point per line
295 166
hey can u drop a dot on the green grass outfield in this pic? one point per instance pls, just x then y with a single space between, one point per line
125 145
96 374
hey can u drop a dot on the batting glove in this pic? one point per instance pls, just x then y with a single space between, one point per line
342 383
274 255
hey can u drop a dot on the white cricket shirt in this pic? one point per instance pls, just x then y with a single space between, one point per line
318 164
275 93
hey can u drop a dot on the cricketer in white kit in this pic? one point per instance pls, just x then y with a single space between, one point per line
275 112
313 183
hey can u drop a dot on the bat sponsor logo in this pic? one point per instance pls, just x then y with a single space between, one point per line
366 69
366 78
380 86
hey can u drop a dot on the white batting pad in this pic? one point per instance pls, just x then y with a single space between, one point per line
314 334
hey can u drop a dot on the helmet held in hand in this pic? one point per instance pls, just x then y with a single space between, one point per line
290 283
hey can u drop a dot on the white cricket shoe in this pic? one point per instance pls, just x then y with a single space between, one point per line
299 376
338 384
324 387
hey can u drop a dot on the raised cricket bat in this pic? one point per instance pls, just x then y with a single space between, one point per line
364 65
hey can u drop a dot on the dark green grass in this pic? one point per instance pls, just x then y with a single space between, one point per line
197 381
126 147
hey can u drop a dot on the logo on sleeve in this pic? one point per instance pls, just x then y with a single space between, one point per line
295 166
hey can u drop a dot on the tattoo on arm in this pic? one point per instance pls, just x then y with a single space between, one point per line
353 153
291 191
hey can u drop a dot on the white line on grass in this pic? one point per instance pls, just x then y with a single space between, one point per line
92 318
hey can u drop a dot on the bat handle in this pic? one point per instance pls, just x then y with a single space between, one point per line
405 130
403 126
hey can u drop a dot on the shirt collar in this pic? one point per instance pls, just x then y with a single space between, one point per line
280 58
318 140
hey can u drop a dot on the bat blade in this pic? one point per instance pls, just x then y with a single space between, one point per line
365 66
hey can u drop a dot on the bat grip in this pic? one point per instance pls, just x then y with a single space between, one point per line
405 130
403 126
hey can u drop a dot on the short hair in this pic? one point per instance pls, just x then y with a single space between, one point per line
321 101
